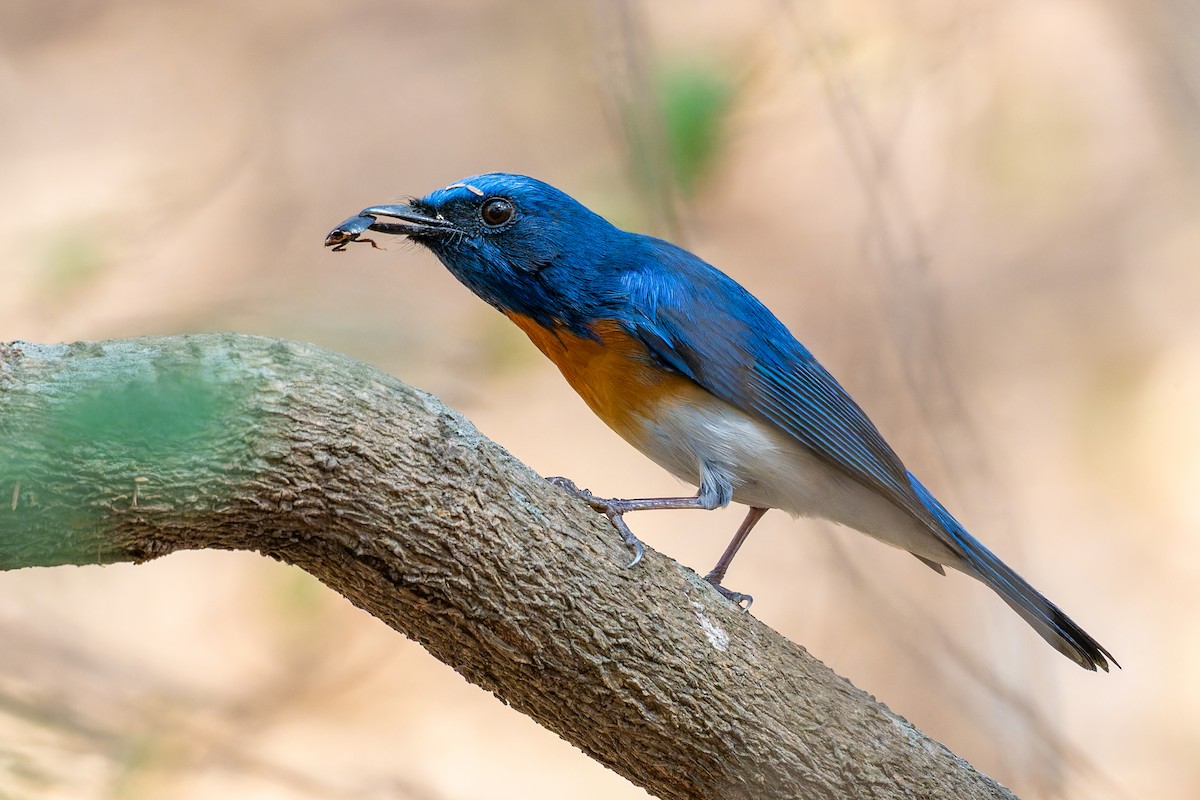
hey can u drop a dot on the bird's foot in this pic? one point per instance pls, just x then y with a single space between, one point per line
611 508
737 598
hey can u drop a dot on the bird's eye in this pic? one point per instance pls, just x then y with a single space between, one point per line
496 212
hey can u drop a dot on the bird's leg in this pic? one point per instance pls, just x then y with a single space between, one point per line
615 510
717 574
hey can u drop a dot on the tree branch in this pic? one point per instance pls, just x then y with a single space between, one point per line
129 450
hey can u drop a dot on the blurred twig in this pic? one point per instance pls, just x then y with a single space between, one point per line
627 66
899 247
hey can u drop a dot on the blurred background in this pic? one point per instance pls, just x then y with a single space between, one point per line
981 217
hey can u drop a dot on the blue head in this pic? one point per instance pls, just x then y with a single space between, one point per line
523 246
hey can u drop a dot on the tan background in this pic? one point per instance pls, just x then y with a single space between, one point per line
982 218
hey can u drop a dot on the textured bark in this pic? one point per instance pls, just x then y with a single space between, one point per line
129 450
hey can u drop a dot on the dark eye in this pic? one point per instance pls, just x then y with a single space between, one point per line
496 212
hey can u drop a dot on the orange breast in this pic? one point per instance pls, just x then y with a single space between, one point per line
615 376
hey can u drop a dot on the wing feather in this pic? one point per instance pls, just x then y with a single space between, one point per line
719 335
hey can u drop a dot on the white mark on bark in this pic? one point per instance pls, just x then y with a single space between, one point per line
715 634
137 482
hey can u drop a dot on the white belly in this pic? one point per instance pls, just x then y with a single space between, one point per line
767 468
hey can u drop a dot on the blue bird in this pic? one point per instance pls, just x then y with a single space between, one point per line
696 373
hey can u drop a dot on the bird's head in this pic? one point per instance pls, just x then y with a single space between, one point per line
518 243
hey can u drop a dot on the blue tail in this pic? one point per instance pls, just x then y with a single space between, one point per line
1054 626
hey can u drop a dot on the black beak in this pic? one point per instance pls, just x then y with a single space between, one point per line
413 222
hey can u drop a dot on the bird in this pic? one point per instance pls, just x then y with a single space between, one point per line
695 372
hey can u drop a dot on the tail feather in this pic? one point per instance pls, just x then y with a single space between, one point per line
1046 618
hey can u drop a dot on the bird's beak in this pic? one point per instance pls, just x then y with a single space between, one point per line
412 222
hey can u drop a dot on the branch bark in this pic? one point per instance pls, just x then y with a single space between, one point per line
128 450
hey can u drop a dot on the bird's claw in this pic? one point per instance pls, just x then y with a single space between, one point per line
569 485
737 598
631 540
614 510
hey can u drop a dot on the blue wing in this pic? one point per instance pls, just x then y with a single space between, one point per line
702 323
